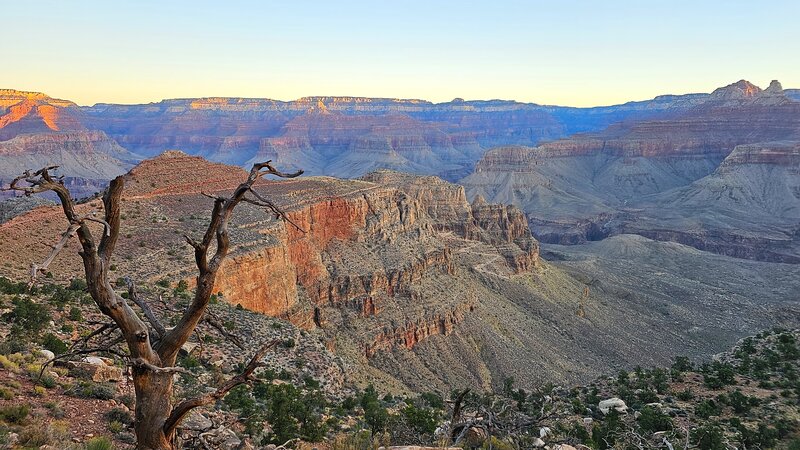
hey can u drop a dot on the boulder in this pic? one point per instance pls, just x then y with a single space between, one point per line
605 406
223 439
196 422
563 447
99 373
538 443
47 354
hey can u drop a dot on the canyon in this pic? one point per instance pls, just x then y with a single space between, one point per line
667 226
413 286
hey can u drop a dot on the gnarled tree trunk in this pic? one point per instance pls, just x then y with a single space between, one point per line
157 418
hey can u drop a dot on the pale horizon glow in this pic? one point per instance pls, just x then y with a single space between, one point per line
574 53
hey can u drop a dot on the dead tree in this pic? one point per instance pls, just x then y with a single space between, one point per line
152 357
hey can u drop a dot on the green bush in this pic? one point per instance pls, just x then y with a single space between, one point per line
27 317
708 437
685 395
706 409
9 287
15 414
120 415
88 389
77 284
75 314
99 443
51 342
422 420
652 420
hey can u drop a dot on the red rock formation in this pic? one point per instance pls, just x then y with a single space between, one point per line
412 333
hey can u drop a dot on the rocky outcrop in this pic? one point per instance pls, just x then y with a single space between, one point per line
361 246
409 334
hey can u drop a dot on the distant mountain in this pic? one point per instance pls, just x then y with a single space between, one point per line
596 184
350 136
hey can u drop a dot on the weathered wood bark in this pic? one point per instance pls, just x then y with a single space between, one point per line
156 418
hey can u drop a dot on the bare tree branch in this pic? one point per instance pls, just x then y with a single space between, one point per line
217 231
37 269
183 408
148 312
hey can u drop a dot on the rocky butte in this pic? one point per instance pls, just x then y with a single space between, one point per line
408 282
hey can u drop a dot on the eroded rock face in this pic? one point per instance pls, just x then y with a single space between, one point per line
698 176
350 249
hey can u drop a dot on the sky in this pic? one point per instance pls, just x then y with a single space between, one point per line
565 52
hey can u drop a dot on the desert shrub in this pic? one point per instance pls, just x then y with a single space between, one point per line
375 415
46 381
421 419
604 435
182 286
707 408
682 364
77 284
647 396
685 395
27 317
708 436
652 419
739 402
432 399
362 440
120 415
6 393
9 287
290 412
115 427
88 389
99 443
14 413
718 375
7 364
75 314
51 342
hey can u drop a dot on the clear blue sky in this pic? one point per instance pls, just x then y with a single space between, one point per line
555 52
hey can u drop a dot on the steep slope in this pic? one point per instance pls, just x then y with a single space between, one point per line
408 282
749 207
589 186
